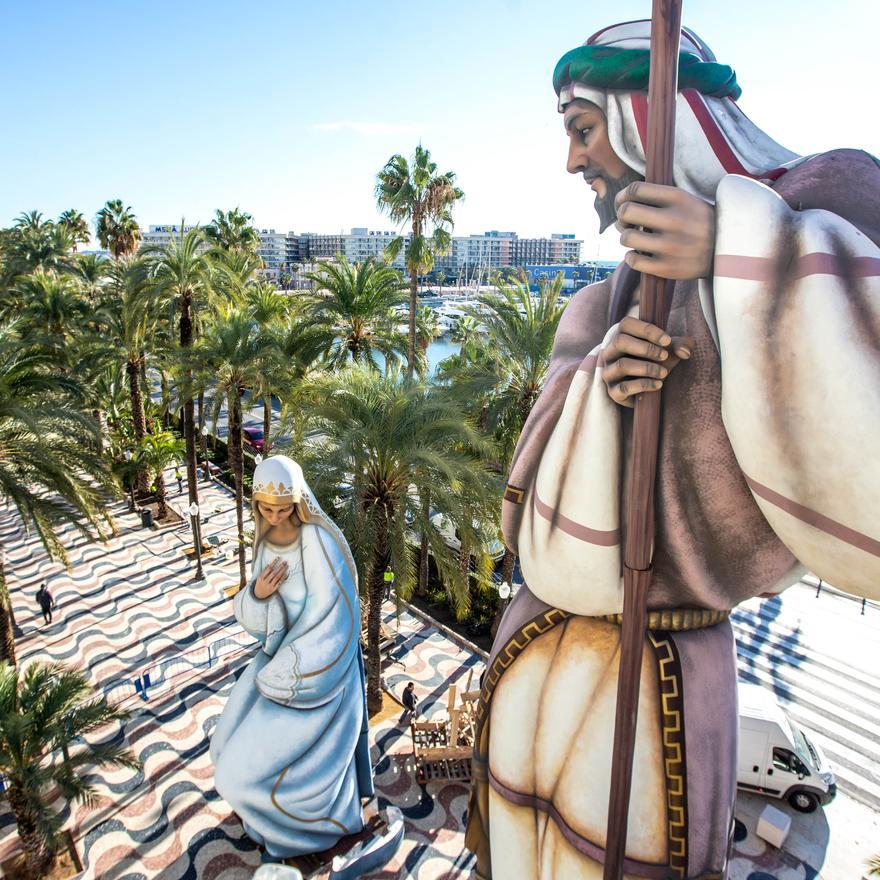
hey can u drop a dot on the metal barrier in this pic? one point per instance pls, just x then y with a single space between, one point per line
163 671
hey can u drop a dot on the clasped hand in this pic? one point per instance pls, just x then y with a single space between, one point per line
639 357
270 578
672 232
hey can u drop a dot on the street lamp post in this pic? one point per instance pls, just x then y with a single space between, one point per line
197 538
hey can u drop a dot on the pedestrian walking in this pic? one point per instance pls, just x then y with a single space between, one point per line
389 582
179 477
46 602
409 698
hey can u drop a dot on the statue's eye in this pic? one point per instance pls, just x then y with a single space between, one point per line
585 133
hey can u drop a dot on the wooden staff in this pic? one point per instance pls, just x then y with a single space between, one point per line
653 308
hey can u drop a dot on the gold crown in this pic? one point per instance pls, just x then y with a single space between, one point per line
270 492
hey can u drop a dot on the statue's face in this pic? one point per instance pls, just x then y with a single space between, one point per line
277 513
590 154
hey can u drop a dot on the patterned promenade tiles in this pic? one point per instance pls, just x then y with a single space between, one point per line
129 607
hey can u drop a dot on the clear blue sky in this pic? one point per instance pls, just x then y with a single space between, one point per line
288 109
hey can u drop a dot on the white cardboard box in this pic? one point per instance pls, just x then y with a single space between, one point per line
773 826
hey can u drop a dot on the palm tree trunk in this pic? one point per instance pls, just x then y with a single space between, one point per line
413 304
236 459
422 589
166 398
189 419
38 855
375 593
267 422
138 418
162 506
7 621
97 415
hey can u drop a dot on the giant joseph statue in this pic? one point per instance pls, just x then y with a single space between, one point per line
767 466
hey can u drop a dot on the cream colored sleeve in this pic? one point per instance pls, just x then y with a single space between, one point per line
796 298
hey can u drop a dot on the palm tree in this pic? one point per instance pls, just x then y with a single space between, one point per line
427 327
156 452
874 866
32 243
233 351
51 467
232 231
117 229
183 273
90 271
47 709
129 324
375 444
350 303
509 375
76 225
54 303
414 193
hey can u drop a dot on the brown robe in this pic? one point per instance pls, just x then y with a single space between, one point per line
714 549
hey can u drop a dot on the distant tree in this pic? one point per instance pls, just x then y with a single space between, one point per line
75 223
117 229
232 231
51 467
156 452
350 304
414 193
507 380
377 443
232 353
43 711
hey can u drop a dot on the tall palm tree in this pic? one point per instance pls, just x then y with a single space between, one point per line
414 193
183 274
118 229
350 303
376 442
232 231
510 375
43 711
233 351
51 468
76 225
130 320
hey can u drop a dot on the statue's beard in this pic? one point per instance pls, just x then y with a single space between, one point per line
613 185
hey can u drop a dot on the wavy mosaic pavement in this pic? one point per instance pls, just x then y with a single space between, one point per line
129 606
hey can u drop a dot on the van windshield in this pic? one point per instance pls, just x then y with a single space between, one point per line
802 746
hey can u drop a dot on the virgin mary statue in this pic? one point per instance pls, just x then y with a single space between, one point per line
290 750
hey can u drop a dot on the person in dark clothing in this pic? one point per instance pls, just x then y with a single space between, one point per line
46 603
409 698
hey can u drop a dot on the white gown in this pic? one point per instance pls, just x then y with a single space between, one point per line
290 750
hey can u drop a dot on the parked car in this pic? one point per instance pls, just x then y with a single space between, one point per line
778 758
253 438
449 533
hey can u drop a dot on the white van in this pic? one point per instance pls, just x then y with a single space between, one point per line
776 757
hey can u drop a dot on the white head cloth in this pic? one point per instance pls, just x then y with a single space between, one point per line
280 480
713 137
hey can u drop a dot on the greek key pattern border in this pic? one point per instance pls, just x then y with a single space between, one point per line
672 702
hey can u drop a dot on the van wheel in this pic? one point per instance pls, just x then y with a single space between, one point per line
803 801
